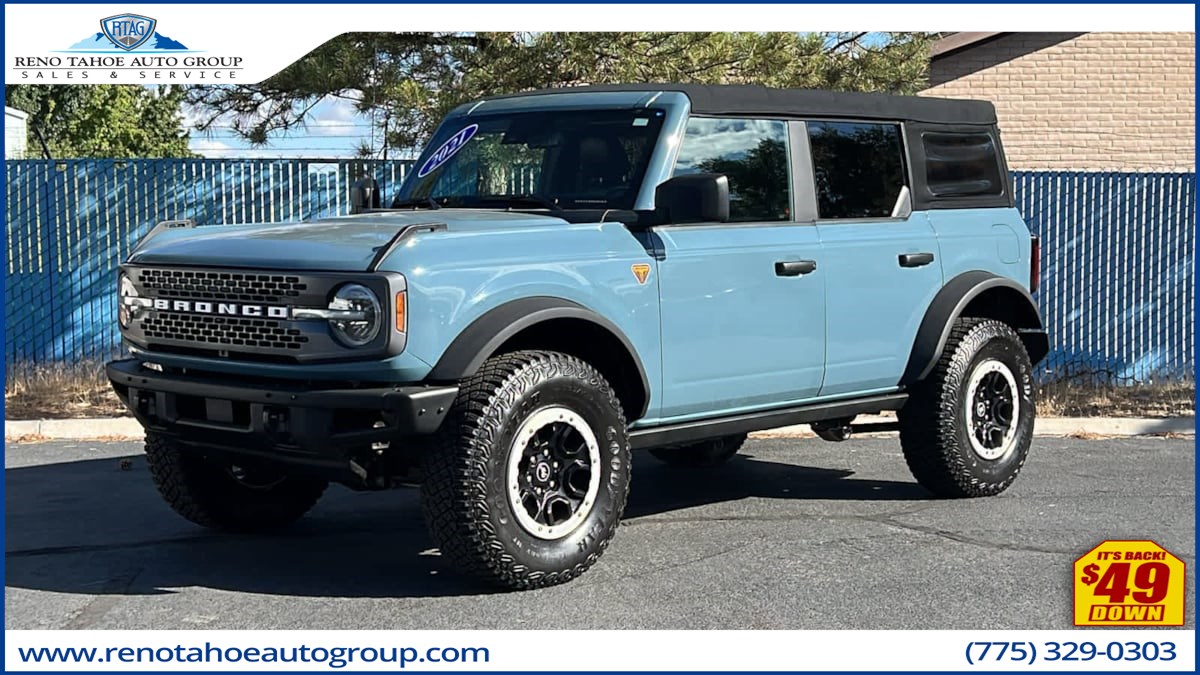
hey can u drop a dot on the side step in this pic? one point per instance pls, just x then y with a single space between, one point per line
699 430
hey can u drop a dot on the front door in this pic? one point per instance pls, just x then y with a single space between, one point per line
743 302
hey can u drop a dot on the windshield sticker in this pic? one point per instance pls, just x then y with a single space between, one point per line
447 150
640 121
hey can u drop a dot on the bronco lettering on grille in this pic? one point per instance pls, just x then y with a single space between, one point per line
222 308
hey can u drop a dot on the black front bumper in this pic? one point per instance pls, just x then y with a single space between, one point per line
295 423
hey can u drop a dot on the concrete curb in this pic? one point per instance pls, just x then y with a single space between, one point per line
1046 426
127 428
74 429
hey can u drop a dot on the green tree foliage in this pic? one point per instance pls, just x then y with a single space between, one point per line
405 82
400 79
101 121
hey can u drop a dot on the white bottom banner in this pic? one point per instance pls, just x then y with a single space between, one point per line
591 651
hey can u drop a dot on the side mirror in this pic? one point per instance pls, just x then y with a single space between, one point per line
693 198
364 195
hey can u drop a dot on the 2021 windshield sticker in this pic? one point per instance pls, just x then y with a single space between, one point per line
447 150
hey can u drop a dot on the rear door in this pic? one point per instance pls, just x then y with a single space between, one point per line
881 261
743 302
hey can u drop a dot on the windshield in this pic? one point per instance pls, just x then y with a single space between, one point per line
577 159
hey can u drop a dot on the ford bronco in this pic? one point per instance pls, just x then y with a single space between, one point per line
568 275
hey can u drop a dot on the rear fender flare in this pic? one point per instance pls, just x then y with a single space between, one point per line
956 296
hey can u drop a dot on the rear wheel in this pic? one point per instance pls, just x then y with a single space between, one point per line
697 455
225 495
528 477
967 428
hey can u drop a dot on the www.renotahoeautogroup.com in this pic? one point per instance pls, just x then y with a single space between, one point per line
333 657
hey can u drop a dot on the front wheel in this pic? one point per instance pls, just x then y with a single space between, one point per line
225 495
967 428
528 477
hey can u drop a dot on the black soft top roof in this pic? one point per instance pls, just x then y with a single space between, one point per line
737 99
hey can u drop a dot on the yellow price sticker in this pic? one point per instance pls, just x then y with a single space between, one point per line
1129 583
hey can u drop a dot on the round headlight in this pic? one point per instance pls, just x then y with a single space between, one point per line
361 315
124 307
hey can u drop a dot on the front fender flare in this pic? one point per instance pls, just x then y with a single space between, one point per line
489 332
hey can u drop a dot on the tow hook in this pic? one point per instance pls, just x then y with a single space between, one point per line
147 404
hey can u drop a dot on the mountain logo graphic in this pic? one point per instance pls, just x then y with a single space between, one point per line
125 33
128 31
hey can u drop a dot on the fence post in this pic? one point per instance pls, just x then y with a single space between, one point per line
51 242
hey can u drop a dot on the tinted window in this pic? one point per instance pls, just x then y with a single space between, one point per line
859 168
962 164
752 154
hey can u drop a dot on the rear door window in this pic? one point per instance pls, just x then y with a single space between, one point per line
858 168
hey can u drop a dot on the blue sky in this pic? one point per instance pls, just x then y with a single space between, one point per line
335 129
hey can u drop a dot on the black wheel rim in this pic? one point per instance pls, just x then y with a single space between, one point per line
554 474
992 412
552 482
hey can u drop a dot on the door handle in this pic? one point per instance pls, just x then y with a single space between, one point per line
794 268
915 259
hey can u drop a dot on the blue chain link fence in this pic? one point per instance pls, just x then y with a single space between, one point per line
1117 284
1116 288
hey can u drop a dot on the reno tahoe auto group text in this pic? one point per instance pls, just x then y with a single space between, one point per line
60 67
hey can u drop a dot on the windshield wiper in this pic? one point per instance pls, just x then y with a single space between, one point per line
415 202
523 200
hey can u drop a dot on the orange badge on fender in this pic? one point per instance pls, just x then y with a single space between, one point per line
641 271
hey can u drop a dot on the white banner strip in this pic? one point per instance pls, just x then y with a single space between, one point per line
223 44
591 651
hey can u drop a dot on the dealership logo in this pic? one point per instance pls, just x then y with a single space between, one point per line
128 31
128 49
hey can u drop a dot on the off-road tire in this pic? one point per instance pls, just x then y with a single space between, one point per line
708 453
934 433
465 495
205 491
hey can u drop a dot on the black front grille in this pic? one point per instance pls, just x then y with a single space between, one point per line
205 285
215 330
222 331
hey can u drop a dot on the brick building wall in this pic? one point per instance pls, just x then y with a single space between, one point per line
1090 101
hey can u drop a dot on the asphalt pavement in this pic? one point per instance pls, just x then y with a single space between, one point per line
794 533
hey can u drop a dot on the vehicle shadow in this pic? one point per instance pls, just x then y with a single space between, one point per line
658 488
99 527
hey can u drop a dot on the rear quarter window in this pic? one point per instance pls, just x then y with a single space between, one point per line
959 164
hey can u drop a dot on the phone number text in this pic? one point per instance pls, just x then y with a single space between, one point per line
1030 652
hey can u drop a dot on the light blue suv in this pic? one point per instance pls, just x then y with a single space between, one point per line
568 275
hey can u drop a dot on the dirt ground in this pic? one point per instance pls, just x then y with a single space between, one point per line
63 392
1140 400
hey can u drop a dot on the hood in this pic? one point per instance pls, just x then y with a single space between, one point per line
343 244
